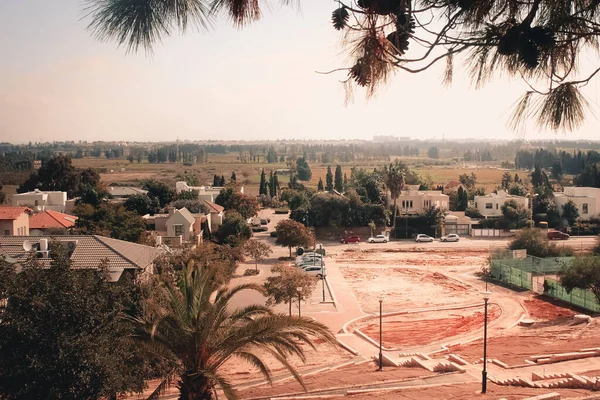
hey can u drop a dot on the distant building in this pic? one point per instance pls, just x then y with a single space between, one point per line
385 138
85 252
39 200
453 186
491 204
14 220
587 200
216 214
179 226
123 192
40 223
207 193
416 201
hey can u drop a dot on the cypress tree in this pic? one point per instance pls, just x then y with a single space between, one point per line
338 184
329 179
263 183
320 186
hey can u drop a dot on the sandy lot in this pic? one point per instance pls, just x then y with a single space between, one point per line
404 288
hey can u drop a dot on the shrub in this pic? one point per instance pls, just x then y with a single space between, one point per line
250 272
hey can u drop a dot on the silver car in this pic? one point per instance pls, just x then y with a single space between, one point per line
378 239
423 238
453 237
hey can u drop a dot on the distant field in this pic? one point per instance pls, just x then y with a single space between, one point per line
249 173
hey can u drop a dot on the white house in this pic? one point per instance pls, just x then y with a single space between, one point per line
491 204
216 214
180 223
38 200
208 193
587 200
415 201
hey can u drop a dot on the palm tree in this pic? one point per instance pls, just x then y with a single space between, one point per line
201 334
394 181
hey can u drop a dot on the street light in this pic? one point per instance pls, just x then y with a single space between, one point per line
380 333
322 272
299 290
486 298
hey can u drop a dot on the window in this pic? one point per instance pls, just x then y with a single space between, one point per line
496 206
427 203
584 208
6 232
488 206
178 230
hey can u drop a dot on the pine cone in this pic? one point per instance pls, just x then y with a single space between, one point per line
400 41
339 18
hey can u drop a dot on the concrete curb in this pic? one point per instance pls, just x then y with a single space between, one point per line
331 293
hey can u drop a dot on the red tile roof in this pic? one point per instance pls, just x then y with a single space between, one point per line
51 219
213 207
9 213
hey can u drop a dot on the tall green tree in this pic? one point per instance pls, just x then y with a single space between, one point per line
584 273
158 190
394 182
233 177
262 188
232 199
291 234
202 330
320 186
303 169
570 212
329 179
338 181
109 220
62 335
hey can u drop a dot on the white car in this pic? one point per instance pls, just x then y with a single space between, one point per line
453 237
316 271
310 260
378 239
423 238
310 263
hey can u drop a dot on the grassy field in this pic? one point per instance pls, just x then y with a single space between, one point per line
123 172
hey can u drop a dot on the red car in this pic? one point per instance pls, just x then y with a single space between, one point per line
557 235
350 239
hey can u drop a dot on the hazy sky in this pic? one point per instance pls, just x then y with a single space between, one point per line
58 83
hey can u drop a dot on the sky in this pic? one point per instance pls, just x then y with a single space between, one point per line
258 83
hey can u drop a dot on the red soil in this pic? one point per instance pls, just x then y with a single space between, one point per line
543 310
421 332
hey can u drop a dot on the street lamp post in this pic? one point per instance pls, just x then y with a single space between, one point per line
380 334
322 272
486 298
299 290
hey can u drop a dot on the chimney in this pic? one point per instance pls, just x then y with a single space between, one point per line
171 210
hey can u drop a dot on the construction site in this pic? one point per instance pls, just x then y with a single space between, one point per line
426 306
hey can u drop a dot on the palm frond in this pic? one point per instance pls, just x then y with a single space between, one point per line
160 390
241 12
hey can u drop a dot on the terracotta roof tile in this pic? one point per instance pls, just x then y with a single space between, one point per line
51 219
213 207
11 213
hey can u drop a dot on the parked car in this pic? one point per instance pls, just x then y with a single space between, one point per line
453 237
265 221
259 228
378 239
557 235
423 238
350 239
316 270
310 260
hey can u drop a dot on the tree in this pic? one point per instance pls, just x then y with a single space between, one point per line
158 190
303 169
55 331
141 204
262 188
570 212
232 199
506 180
536 244
517 190
292 234
394 181
109 220
193 206
468 180
282 288
233 177
433 152
222 182
320 186
462 199
202 334
514 215
257 250
2 194
234 230
338 181
329 179
372 226
557 170
216 180
369 186
584 273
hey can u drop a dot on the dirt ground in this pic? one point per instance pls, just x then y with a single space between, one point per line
353 375
551 337
404 288
399 332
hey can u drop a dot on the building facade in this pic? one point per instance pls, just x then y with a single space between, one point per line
14 221
40 201
490 205
587 200
416 201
